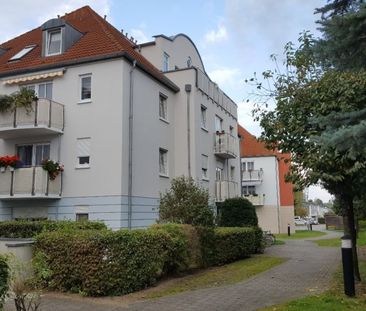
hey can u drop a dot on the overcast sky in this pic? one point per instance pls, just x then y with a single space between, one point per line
235 37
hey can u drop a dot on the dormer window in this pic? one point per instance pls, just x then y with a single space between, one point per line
53 42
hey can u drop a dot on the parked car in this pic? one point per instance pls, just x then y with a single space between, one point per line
299 221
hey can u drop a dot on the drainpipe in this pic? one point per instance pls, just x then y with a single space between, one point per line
278 195
188 89
130 146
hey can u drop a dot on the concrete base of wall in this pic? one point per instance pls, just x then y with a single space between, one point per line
20 248
268 218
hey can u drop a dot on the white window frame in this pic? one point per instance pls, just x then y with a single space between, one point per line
204 159
203 117
36 87
165 62
34 151
252 191
163 99
85 100
250 166
49 34
163 165
218 124
87 154
232 173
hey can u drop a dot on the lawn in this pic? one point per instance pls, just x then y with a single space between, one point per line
336 242
300 234
332 300
219 276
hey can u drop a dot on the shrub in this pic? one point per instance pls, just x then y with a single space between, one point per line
321 220
102 262
237 212
28 229
4 279
186 203
185 253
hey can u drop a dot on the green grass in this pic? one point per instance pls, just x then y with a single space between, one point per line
336 242
279 242
300 234
332 300
219 276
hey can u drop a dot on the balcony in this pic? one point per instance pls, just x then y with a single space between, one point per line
46 117
29 183
252 176
226 190
255 199
226 146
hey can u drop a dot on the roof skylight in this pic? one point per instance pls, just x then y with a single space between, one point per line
23 52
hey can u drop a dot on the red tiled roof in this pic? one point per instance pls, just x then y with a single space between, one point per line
100 39
250 146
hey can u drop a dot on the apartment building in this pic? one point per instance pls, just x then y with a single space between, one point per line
123 119
263 183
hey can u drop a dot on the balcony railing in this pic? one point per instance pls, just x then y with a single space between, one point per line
226 145
254 176
30 182
45 117
226 190
255 199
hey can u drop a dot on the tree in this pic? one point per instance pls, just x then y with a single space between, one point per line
305 94
186 203
300 210
237 212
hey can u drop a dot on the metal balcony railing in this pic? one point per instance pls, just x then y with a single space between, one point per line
45 117
29 182
226 145
226 190
252 176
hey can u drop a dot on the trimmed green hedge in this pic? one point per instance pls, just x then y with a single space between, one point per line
100 263
4 279
29 229
237 212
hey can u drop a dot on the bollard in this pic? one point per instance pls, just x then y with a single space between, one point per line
288 230
347 262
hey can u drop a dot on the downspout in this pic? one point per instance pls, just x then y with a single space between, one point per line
188 89
130 146
278 195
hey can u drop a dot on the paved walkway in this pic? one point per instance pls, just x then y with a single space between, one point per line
308 270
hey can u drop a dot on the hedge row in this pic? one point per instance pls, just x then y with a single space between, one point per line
99 263
29 229
4 279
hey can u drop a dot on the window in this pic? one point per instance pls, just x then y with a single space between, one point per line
219 173
204 166
22 53
42 90
83 152
243 166
163 162
82 216
231 130
163 107
249 190
33 154
250 166
53 42
218 124
85 88
232 173
203 117
165 62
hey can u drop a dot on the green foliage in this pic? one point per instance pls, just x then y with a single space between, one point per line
321 220
29 229
23 98
4 279
6 103
186 203
237 212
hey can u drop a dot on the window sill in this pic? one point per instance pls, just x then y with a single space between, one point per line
205 179
204 129
164 120
163 175
86 101
82 167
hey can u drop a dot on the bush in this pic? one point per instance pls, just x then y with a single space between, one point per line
321 220
101 262
185 253
4 279
237 212
186 203
29 229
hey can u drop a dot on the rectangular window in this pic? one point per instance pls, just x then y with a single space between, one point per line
218 124
82 216
163 162
83 152
204 166
85 88
42 90
249 190
250 166
243 166
33 154
219 173
231 130
163 107
232 173
53 42
204 117
165 62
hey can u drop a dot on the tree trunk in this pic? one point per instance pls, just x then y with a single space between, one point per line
352 231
